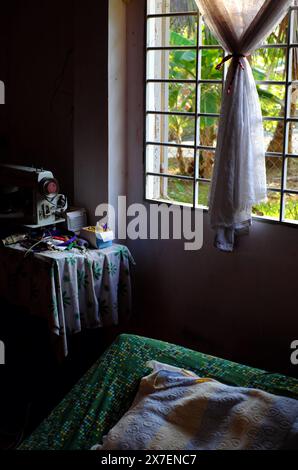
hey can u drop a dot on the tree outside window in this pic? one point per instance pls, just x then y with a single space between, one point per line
183 98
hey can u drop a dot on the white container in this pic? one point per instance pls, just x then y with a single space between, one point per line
97 237
76 219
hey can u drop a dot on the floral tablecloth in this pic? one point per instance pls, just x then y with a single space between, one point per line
72 290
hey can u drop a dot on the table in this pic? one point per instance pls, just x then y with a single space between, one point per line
72 290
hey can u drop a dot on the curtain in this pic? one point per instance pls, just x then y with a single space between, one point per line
239 178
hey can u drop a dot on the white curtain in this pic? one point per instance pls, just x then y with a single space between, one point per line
239 178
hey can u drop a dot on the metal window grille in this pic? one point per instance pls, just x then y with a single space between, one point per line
162 175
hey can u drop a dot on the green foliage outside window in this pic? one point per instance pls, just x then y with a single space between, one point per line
267 64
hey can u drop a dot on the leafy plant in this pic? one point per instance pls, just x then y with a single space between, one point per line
267 64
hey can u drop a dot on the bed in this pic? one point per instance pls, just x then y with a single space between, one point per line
107 390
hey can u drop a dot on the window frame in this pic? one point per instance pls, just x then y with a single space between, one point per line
288 46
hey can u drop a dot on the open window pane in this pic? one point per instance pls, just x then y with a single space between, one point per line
171 97
169 189
181 161
269 64
274 171
272 99
170 6
292 173
291 207
293 138
269 209
279 35
204 189
210 97
274 136
172 129
207 37
175 64
209 59
180 191
170 160
294 32
294 63
172 31
206 163
208 131
293 106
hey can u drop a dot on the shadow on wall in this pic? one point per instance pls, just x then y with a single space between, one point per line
238 306
37 68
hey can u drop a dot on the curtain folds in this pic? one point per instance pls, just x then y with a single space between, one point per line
239 177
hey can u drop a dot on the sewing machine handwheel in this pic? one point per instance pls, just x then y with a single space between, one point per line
49 186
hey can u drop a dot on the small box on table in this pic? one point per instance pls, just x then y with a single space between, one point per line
97 236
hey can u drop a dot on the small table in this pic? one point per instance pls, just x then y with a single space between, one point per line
72 290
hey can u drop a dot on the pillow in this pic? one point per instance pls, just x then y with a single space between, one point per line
175 409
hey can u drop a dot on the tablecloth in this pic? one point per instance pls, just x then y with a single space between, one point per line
72 290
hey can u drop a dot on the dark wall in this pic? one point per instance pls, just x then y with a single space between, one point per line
4 41
37 66
91 123
54 62
241 306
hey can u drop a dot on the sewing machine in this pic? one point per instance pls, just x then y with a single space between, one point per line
30 196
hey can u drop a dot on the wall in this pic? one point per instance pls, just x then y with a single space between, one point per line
240 306
117 101
3 74
54 61
91 104
99 103
39 85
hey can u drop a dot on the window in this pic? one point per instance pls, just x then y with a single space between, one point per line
183 97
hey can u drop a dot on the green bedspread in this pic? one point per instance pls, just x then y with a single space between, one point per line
106 392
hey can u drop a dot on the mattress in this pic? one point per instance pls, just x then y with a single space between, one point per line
107 390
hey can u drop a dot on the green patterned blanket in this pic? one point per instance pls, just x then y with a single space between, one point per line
106 392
